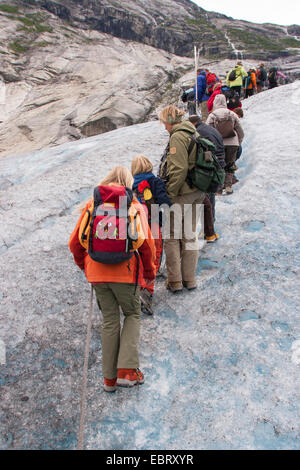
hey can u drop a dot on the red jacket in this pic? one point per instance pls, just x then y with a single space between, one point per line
124 272
211 100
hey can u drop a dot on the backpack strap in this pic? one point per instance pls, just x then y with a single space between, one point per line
189 173
191 146
97 196
83 235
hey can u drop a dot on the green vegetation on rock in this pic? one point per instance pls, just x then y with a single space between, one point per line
18 48
9 8
253 41
290 42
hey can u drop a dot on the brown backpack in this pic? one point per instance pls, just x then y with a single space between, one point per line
225 126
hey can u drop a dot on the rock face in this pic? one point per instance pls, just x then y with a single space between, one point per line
176 26
72 69
72 83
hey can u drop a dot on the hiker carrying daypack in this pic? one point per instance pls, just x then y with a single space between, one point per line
211 80
108 230
149 190
272 77
207 174
115 285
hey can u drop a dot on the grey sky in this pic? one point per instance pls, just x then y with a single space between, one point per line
285 12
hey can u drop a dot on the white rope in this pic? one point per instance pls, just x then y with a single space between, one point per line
85 374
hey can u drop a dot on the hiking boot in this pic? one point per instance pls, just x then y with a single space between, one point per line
174 287
189 285
234 180
146 302
213 238
110 385
129 377
228 190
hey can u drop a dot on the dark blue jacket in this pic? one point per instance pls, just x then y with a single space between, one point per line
157 187
210 133
201 82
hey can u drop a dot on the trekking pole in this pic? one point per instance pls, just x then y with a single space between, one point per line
85 374
196 67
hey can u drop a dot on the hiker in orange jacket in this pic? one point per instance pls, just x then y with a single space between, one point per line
116 286
250 83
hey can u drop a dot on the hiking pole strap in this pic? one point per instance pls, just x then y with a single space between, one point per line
85 374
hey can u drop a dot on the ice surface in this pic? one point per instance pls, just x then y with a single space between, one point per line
221 363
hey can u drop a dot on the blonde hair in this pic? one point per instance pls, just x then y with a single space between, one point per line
119 176
171 115
141 164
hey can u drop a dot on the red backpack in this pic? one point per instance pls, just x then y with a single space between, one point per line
211 80
109 229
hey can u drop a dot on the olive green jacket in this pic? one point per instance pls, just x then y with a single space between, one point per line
178 162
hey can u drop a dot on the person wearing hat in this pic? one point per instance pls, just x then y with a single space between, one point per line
236 83
261 77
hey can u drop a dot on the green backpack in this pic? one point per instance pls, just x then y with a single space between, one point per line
207 174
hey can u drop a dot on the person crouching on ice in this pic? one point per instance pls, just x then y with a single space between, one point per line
149 190
116 285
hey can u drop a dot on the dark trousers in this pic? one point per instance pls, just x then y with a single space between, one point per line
249 92
191 106
212 198
238 89
230 158
272 85
209 229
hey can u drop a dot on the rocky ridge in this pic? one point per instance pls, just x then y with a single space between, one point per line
176 26
71 69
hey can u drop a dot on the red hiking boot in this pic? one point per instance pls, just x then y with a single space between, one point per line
129 377
110 385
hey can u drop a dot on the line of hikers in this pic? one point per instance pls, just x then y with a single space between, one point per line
133 216
239 84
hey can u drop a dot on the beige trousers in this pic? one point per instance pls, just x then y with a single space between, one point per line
181 238
204 111
119 348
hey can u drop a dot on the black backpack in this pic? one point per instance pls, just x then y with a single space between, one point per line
272 74
234 101
232 76
187 95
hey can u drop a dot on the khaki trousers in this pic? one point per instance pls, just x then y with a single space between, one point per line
181 237
204 111
119 348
